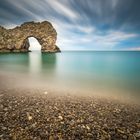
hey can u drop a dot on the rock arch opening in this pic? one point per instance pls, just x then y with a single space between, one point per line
34 44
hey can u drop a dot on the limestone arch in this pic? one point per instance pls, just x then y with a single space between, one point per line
17 38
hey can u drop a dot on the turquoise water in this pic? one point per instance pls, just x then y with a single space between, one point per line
92 72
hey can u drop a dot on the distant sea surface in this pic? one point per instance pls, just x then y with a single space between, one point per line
101 73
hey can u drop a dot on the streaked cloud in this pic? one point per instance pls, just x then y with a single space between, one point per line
62 9
134 48
81 25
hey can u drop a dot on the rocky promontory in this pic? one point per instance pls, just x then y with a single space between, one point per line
16 39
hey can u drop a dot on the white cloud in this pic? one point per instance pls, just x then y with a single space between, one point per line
134 49
89 37
114 3
63 9
21 6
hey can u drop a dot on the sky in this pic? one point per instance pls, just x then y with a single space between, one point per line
80 24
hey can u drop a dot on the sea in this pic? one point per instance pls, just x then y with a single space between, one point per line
109 74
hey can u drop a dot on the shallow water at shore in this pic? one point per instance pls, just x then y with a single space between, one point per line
108 74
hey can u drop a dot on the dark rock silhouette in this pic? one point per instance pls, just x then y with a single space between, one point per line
16 39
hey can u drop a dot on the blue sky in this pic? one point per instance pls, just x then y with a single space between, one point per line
81 24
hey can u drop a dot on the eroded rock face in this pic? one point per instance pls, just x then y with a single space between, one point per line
16 39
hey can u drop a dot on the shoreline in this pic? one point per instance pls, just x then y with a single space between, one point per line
38 114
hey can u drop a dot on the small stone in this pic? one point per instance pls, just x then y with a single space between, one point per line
60 117
47 133
131 137
138 125
51 138
124 137
26 128
34 125
89 135
120 131
5 109
45 92
83 126
116 110
29 116
1 107
88 128
137 134
62 122
4 128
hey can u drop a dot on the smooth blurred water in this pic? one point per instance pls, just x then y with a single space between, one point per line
113 73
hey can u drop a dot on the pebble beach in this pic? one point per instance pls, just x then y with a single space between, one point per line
43 115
